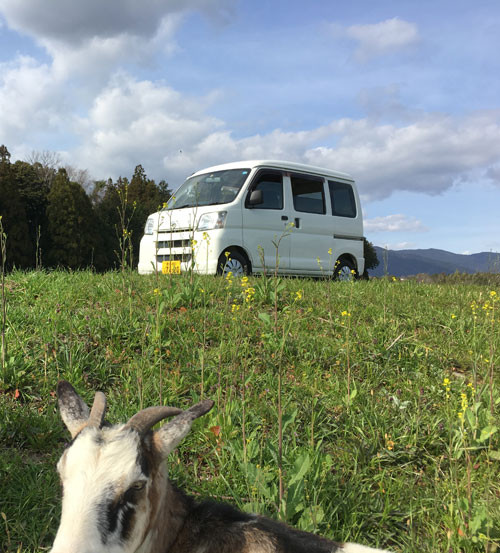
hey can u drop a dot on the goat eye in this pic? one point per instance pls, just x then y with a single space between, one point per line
139 485
133 494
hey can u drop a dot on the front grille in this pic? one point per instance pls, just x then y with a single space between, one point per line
173 244
167 233
183 257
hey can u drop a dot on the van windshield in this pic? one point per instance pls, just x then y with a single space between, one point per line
220 187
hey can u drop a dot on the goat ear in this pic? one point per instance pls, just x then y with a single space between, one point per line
74 411
168 437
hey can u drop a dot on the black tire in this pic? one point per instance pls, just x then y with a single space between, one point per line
233 261
345 270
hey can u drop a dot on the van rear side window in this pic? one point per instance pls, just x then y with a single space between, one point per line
308 194
342 198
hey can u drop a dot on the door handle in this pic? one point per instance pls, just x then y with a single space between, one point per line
284 218
297 222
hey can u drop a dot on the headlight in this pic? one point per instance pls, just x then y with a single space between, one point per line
150 225
209 221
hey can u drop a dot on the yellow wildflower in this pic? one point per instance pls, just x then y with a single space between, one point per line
249 294
446 384
472 389
464 404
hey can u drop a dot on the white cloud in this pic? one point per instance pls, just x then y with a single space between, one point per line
87 48
428 155
95 59
89 40
110 121
394 223
73 23
386 37
130 121
134 122
493 174
399 246
377 39
31 99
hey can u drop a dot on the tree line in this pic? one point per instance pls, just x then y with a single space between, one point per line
53 217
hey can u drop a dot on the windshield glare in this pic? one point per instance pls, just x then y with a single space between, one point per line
219 187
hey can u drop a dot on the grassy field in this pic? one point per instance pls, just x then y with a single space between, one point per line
365 411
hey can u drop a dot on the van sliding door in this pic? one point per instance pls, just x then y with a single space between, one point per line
312 235
265 224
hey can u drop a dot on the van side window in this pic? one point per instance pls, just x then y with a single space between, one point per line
271 185
342 197
308 194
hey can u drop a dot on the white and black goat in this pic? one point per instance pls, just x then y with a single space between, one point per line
117 497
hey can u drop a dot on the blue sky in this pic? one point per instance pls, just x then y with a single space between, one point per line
403 95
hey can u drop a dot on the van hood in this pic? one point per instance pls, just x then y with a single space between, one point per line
176 219
183 219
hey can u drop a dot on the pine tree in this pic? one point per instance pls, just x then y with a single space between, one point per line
33 191
15 225
146 197
370 255
74 241
124 206
113 213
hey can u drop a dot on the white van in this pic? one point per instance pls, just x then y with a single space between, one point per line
233 217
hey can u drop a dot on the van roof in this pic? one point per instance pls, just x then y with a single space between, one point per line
290 165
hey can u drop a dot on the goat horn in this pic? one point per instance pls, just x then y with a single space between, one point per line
96 417
145 420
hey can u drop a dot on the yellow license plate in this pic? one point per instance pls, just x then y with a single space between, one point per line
171 267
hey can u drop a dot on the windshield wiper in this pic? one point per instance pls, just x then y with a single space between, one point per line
197 205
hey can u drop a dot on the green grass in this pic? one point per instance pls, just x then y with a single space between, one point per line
388 393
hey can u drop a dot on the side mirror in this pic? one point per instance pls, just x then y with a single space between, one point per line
256 198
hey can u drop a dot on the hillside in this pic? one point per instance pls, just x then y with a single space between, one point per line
431 261
377 393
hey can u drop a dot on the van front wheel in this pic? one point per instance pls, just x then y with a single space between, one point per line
344 270
232 261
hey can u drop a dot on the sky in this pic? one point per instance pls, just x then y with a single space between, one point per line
403 95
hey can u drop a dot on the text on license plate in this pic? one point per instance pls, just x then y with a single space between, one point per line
171 267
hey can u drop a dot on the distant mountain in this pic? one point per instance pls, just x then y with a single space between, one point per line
411 262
